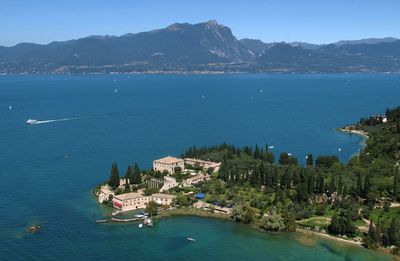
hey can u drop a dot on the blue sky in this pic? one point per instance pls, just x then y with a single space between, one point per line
315 21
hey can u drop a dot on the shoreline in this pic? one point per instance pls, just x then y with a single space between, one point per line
329 237
207 214
350 130
188 211
195 212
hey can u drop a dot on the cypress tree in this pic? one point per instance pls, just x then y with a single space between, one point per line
137 176
287 178
310 160
268 177
359 185
257 153
340 185
320 184
379 232
278 195
255 177
393 232
311 181
395 185
332 186
372 237
129 174
114 177
367 185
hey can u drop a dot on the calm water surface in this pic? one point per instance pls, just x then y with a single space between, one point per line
47 170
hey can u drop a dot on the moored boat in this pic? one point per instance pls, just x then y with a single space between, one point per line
34 228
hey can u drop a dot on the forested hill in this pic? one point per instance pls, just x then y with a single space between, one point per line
206 47
357 199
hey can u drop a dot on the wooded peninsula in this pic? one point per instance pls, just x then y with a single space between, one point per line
357 200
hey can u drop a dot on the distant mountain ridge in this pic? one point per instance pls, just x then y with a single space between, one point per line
202 47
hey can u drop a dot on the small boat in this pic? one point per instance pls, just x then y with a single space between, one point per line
140 225
271 147
32 121
102 221
340 149
10 107
148 222
141 214
33 229
289 154
191 239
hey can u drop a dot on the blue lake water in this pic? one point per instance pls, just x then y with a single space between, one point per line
47 170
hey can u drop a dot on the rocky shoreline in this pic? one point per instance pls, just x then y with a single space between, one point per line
353 129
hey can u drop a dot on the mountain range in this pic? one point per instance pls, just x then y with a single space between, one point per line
202 47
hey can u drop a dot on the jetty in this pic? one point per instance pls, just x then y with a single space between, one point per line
117 220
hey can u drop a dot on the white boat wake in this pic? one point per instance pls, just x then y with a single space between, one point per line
34 122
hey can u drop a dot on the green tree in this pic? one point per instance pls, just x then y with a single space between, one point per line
342 225
273 222
367 185
359 188
268 157
129 174
371 239
114 177
243 213
137 176
332 185
289 219
335 227
326 161
310 160
302 193
394 232
182 200
340 185
152 208
284 158
395 185
255 177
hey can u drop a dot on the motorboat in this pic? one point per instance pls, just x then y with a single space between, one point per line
148 222
191 239
31 121
34 228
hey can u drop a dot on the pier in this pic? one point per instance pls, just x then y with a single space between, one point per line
118 220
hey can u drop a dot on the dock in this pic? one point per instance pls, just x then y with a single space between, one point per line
117 220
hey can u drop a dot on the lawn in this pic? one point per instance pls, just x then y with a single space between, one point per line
384 216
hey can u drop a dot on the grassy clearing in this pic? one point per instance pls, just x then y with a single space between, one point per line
384 216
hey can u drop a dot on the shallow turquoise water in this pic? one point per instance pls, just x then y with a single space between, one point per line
47 170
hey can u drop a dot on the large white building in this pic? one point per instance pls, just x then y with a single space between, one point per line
169 164
134 200
203 163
